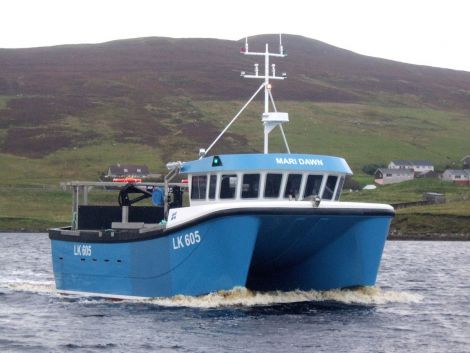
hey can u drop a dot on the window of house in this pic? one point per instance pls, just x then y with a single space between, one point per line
313 185
139 170
126 170
198 187
330 187
250 186
212 186
389 175
228 186
293 186
273 185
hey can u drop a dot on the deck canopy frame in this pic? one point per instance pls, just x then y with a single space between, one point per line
84 187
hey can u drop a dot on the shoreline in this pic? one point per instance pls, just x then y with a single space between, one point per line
430 237
392 236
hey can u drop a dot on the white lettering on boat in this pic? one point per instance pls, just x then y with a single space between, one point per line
300 161
189 239
82 250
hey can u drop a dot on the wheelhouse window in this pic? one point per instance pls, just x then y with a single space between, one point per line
198 187
212 186
228 186
250 186
273 185
330 187
339 188
293 186
313 185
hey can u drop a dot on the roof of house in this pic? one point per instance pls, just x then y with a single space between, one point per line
466 157
395 171
121 169
428 174
458 171
412 162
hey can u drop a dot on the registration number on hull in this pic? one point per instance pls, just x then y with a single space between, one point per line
189 239
82 250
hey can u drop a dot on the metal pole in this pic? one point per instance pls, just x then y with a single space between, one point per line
280 125
85 195
266 80
165 195
266 133
233 120
125 214
75 202
284 137
266 97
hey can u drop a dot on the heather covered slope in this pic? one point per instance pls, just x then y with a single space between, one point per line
70 111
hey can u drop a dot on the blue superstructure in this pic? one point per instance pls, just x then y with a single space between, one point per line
271 161
270 221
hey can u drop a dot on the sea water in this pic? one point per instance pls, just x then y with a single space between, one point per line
421 303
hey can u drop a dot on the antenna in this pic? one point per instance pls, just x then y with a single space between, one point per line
270 119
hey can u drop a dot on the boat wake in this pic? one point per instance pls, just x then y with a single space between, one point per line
243 297
39 287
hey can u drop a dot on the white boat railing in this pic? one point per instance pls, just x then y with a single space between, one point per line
85 187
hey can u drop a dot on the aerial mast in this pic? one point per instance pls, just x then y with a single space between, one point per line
270 119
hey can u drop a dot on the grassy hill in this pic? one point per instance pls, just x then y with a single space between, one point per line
67 112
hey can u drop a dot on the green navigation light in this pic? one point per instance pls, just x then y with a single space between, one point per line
216 161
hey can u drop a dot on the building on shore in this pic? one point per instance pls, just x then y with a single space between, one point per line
434 197
428 175
458 176
385 176
418 166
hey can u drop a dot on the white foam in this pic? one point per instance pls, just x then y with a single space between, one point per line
243 297
42 287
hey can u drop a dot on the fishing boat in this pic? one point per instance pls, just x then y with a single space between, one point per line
265 221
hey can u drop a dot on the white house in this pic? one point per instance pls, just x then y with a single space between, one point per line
458 176
389 176
419 167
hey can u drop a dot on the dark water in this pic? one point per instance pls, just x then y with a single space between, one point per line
421 304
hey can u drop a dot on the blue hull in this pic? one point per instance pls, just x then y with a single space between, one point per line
258 251
318 253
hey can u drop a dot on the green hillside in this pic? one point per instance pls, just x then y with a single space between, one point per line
68 112
363 133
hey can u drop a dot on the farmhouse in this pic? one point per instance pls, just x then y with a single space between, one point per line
419 167
389 176
458 176
127 170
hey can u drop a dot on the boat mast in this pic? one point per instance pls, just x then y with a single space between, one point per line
270 119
